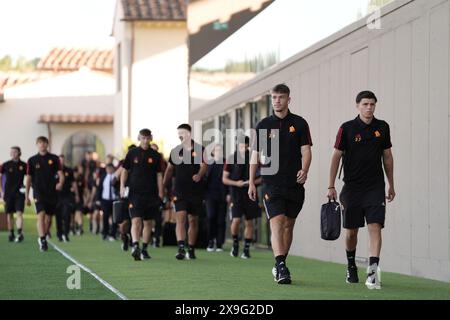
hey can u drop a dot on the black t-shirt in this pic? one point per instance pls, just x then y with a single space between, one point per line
185 169
14 171
143 167
43 170
293 133
80 186
363 145
215 189
68 180
239 169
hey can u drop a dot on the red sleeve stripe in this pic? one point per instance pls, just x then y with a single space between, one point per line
339 138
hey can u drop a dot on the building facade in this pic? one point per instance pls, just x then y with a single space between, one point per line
405 61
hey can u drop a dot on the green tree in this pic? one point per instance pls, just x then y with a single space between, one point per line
6 63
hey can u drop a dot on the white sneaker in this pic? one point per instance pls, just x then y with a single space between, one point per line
373 280
210 249
219 250
274 273
111 239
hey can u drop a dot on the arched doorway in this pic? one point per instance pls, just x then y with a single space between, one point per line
78 144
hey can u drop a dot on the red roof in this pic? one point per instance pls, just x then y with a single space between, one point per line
159 10
76 118
64 59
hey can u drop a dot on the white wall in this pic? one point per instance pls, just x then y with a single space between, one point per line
406 63
81 93
160 99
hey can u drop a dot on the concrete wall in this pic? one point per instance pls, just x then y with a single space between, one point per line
406 63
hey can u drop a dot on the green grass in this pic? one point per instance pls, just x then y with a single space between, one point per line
28 274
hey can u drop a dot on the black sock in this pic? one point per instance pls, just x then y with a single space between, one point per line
181 245
280 259
136 244
43 239
235 241
191 248
11 232
374 260
247 243
144 246
19 231
351 258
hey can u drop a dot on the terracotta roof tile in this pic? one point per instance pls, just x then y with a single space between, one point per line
161 10
64 59
76 118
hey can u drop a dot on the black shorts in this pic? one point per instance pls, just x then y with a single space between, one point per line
193 205
369 205
242 206
45 205
144 206
15 203
286 201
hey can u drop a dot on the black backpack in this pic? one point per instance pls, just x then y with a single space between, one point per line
330 220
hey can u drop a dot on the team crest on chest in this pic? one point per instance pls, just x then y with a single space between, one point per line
50 162
150 160
377 134
358 138
292 129
20 168
136 160
38 166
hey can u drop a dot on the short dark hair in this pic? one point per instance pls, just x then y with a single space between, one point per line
18 149
185 126
281 88
110 165
42 139
366 95
145 132
131 146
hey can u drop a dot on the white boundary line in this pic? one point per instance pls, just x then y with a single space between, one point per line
103 282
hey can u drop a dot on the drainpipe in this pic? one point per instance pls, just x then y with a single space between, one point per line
130 78
49 130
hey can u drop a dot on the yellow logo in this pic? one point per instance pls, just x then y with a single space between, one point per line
377 134
20 168
50 162
291 129
150 160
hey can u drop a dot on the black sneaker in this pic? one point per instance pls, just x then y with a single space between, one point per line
11 238
144 255
234 251
245 254
352 275
125 243
19 238
283 275
181 254
191 254
136 253
60 238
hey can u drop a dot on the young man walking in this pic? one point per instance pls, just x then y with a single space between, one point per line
142 173
236 175
187 162
284 190
43 171
364 143
67 198
14 172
